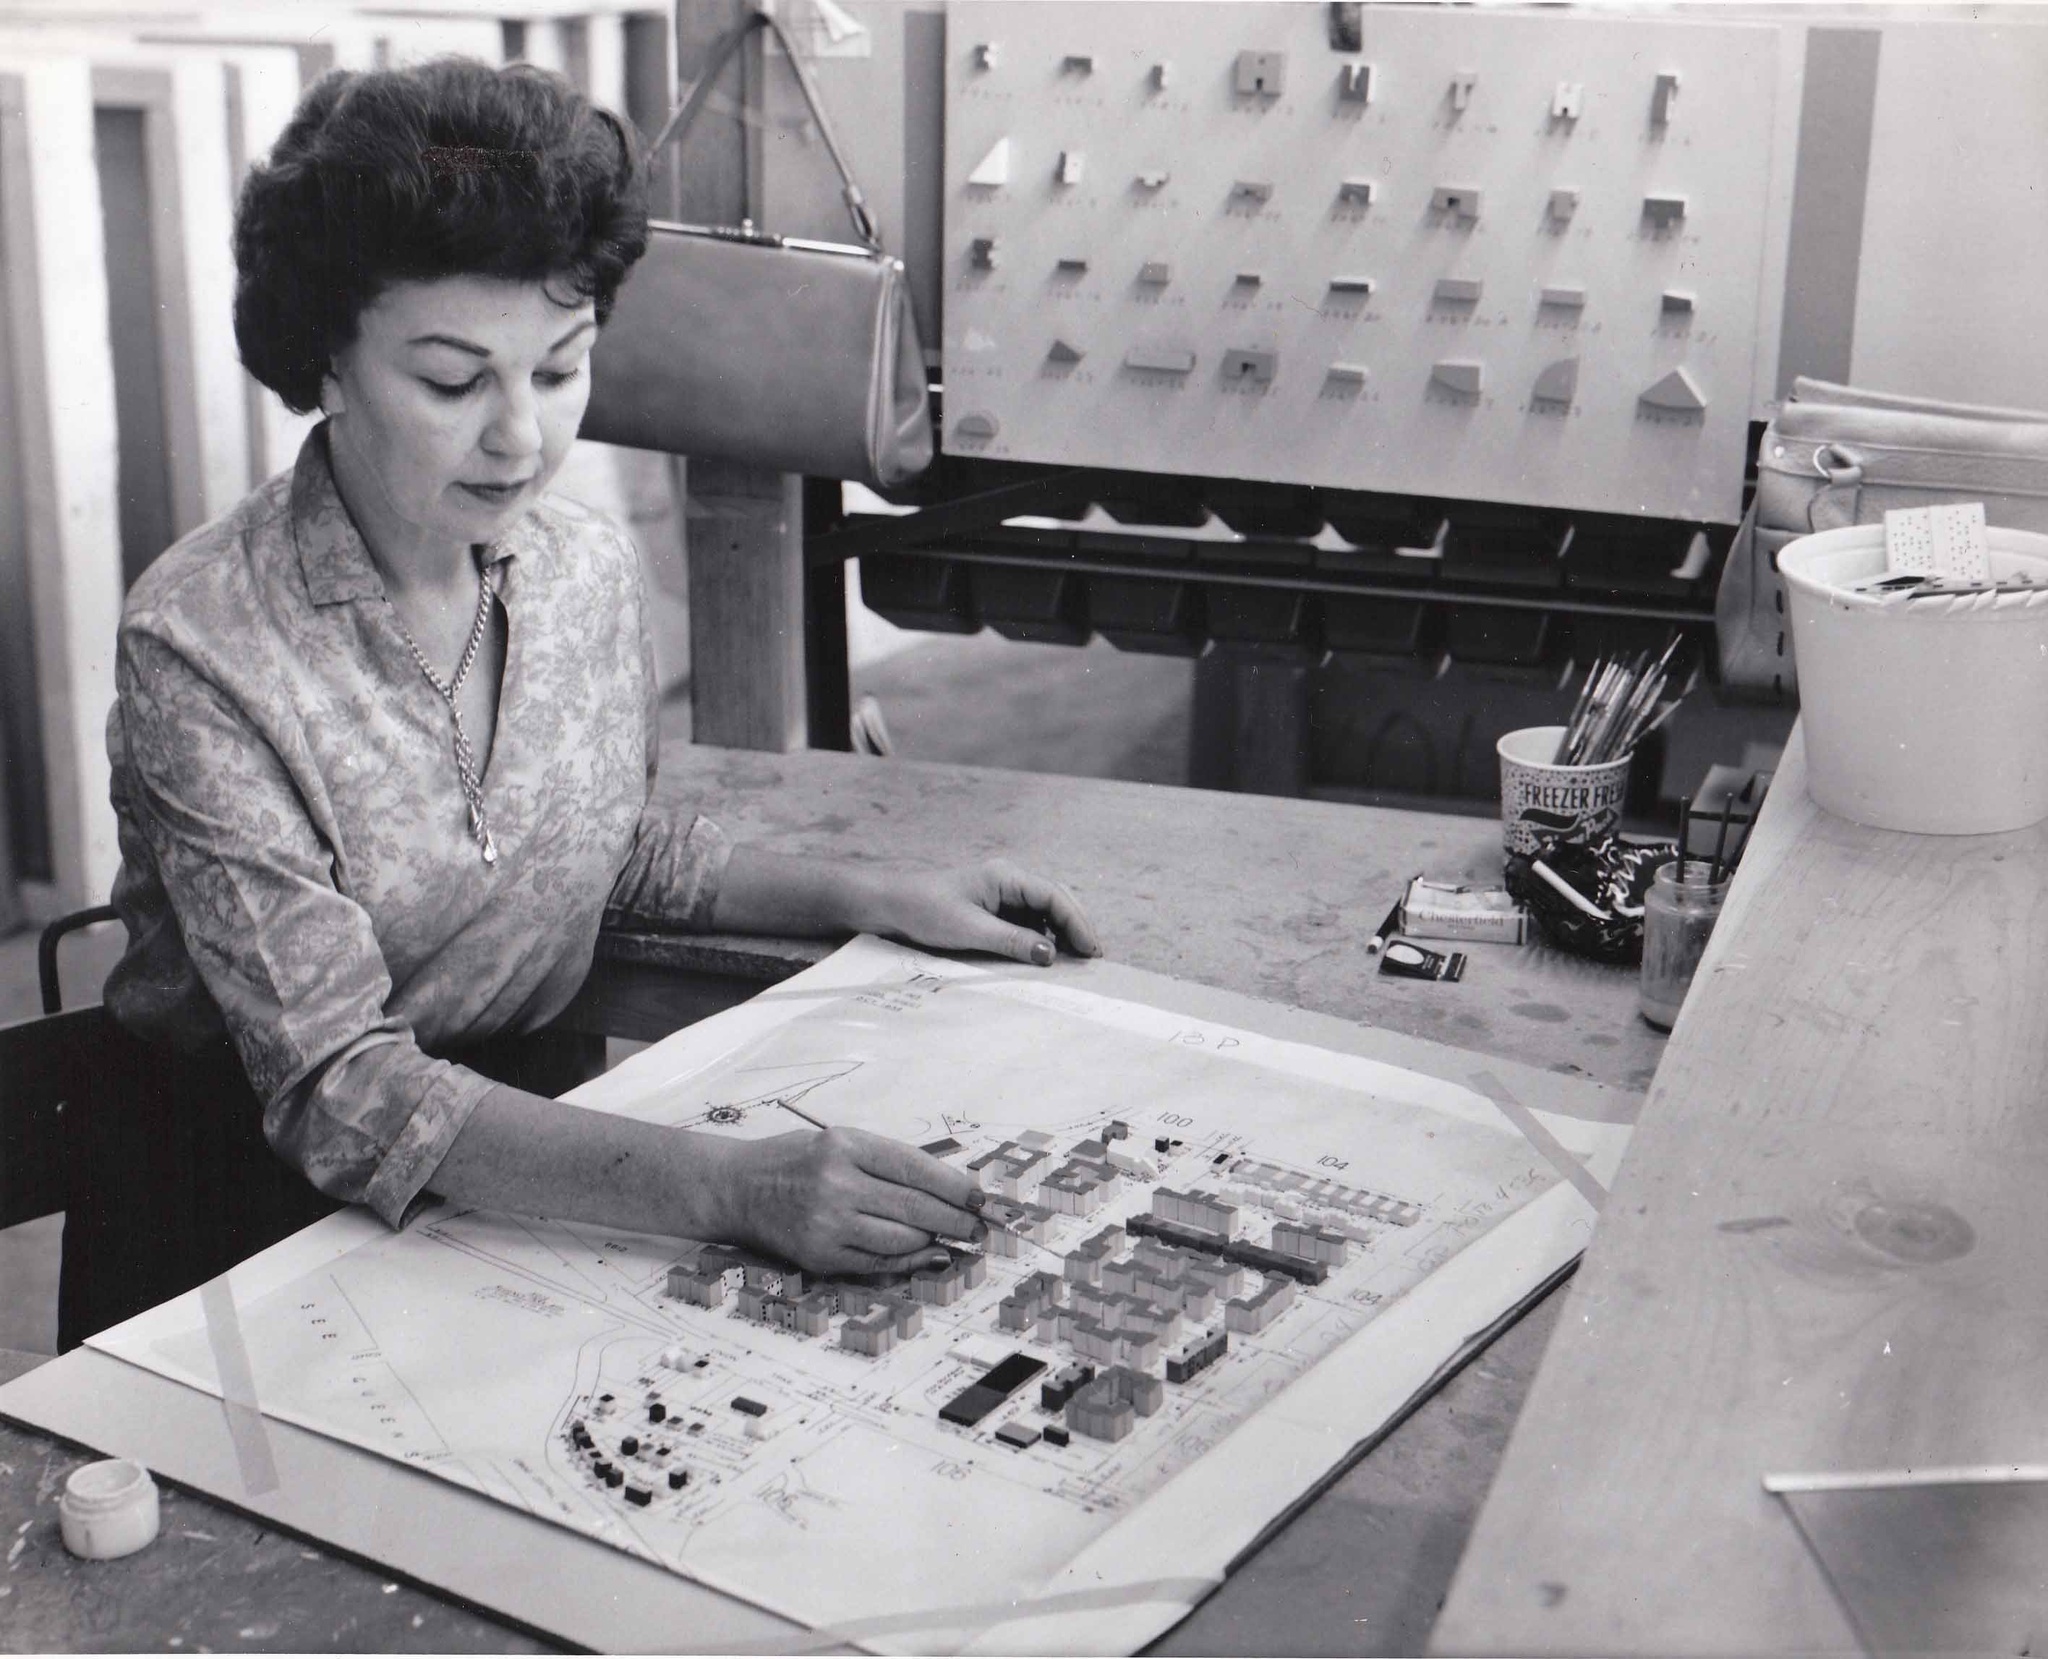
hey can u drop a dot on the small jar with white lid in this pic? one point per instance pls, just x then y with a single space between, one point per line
108 1509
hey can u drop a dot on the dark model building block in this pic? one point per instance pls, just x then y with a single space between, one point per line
995 1385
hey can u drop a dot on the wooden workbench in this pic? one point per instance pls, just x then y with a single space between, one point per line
1272 898
1824 1252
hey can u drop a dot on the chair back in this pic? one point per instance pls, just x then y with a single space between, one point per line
156 1158
38 1078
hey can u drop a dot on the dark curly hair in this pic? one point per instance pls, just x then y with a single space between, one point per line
449 168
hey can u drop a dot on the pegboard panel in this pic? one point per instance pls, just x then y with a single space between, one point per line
1490 256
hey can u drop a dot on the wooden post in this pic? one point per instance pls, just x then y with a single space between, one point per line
829 700
650 95
53 285
1251 722
744 524
605 44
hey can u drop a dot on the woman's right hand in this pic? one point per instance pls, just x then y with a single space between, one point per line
846 1201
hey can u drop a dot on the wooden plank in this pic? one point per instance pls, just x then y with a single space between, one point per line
547 47
745 537
184 103
24 825
263 88
650 95
53 283
744 525
714 175
261 81
1823 1252
605 48
136 319
310 42
10 896
1267 896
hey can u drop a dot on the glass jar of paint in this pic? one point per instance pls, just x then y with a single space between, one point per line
1679 913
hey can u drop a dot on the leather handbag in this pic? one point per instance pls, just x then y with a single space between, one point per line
795 355
1840 455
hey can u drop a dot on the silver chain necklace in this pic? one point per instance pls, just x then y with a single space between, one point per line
465 756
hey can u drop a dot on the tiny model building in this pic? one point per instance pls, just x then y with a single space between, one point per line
633 1465
1294 1196
1163 1289
1108 1407
990 1390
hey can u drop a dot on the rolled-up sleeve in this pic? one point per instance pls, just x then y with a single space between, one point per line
671 878
293 963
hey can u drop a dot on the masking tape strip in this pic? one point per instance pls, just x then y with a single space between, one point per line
1184 1592
238 1388
1892 1480
1531 1126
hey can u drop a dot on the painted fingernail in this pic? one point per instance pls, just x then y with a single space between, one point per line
976 1199
1041 953
978 1233
939 1258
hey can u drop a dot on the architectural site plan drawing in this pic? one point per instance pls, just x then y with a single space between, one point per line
1217 1263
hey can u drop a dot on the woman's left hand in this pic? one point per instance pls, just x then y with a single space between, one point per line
996 907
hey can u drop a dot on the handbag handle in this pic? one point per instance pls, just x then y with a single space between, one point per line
678 125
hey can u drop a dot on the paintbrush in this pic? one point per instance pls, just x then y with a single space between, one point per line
1721 840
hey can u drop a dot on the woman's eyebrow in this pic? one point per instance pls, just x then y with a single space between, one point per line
469 346
476 350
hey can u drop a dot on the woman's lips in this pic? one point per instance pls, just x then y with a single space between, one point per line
497 494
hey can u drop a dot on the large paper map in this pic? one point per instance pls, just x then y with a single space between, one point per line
1220 1261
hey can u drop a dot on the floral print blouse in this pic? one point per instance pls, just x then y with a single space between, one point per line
297 866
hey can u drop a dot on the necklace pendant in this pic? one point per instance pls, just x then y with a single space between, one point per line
490 848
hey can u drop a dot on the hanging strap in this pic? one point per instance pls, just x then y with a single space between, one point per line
677 127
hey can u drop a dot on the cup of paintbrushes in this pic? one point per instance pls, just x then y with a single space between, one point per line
1571 780
1540 798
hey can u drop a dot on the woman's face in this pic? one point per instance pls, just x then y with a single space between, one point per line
454 406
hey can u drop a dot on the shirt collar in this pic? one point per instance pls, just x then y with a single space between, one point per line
333 556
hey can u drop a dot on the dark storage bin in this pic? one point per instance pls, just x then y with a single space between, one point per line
928 594
1266 509
1497 634
1378 627
1635 558
1261 616
1381 523
1163 501
1378 564
1518 547
1135 613
1620 636
1021 603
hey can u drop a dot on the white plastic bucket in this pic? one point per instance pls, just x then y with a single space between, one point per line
1928 715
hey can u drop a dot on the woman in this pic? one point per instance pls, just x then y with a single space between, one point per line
385 737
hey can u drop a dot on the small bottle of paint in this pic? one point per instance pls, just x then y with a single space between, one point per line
1678 918
108 1509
